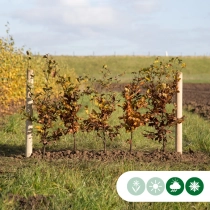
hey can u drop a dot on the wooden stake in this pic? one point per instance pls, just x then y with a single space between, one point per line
29 111
178 144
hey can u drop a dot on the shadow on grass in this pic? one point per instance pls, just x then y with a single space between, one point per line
11 150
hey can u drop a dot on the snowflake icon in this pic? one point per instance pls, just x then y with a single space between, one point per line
194 186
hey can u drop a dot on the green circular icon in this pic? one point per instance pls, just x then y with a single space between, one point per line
175 186
194 186
155 186
136 186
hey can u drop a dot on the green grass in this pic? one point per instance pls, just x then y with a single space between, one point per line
81 185
196 132
197 69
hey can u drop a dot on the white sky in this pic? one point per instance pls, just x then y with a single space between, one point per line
105 27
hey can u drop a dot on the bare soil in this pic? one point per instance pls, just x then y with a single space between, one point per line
197 99
32 202
117 155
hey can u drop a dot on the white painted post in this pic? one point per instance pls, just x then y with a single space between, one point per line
178 134
29 111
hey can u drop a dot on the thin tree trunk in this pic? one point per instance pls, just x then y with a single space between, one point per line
104 141
44 150
131 141
74 142
164 144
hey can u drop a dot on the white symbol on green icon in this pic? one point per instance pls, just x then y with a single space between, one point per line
175 186
155 186
194 186
136 186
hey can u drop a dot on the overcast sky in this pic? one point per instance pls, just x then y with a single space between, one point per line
107 27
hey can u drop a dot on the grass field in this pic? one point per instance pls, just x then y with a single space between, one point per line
196 71
80 185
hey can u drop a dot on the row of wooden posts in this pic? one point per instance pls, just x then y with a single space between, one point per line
29 110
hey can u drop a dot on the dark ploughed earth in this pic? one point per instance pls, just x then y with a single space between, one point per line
196 98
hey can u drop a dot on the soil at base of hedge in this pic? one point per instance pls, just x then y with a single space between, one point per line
114 155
